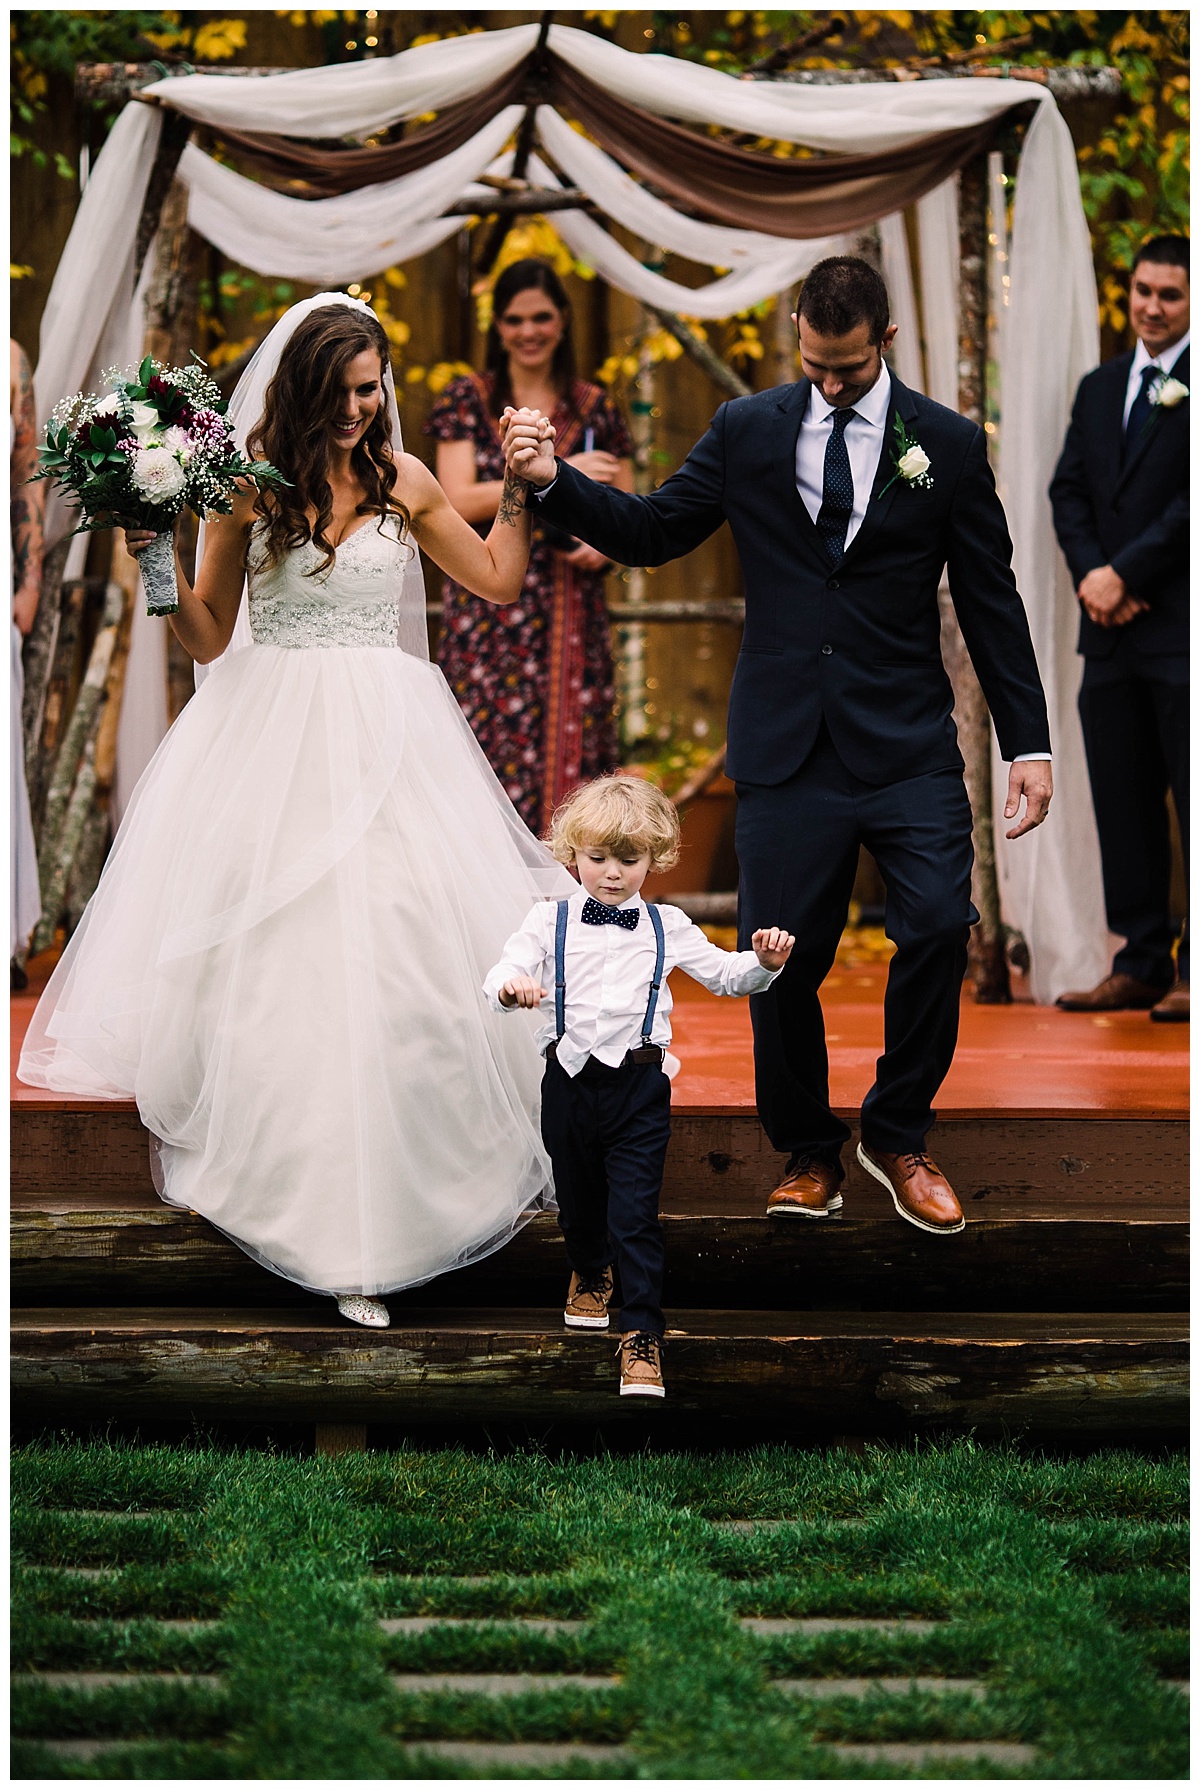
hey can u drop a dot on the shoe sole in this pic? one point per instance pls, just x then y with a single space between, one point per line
1170 1019
586 1323
835 1205
935 1230
643 1391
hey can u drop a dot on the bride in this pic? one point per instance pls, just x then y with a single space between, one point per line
282 962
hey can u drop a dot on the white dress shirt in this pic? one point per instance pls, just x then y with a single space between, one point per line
1143 358
864 445
608 977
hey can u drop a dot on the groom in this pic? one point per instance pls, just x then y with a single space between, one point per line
847 494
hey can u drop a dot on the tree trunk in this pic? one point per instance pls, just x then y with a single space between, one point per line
37 654
57 689
988 963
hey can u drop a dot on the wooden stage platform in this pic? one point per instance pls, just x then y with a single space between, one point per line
1061 1308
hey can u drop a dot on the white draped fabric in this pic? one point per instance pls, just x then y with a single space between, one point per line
937 245
1050 882
897 277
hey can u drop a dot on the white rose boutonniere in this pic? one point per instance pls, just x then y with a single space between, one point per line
909 458
1170 392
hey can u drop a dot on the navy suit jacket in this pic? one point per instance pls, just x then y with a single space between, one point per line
857 642
1134 515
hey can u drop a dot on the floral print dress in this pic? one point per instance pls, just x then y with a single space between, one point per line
534 679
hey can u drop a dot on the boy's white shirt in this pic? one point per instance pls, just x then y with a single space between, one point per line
608 974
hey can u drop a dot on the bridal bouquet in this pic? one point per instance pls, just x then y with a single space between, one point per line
156 443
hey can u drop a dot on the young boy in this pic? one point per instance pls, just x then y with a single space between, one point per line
606 1102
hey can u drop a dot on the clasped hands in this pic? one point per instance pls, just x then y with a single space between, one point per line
1107 600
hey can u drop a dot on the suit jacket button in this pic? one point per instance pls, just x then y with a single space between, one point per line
826 649
832 584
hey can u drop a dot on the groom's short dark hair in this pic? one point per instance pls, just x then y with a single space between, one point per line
841 293
1165 251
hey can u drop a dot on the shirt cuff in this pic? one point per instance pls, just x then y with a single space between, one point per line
1033 758
540 491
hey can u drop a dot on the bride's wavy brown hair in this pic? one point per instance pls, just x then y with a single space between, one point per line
301 402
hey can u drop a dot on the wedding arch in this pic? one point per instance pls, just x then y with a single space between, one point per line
603 130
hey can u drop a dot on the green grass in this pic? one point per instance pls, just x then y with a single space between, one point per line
1061 1583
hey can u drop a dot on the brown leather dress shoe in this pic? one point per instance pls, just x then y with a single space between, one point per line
920 1191
1115 993
1174 1008
810 1190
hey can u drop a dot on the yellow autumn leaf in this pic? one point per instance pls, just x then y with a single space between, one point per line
224 37
19 271
396 331
415 375
394 277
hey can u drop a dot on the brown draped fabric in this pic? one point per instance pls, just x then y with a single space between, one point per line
792 196
784 196
326 172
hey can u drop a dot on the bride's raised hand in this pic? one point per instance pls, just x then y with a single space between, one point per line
528 439
138 539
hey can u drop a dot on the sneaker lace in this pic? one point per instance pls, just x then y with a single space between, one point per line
643 1345
594 1286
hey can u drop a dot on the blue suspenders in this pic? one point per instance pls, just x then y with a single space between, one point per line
560 973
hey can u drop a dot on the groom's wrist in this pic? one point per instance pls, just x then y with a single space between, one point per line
539 491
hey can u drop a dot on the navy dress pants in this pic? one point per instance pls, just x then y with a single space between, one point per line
1134 711
606 1131
797 847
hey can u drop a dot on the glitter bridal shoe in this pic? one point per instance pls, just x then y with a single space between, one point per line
361 1310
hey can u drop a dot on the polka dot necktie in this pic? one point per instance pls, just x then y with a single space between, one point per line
598 913
837 497
1139 410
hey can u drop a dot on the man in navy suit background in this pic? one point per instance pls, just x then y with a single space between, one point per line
847 495
1121 512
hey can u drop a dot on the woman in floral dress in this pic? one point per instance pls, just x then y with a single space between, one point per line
535 680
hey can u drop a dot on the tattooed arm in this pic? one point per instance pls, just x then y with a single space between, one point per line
493 568
27 502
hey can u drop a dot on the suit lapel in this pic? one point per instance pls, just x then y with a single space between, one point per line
1112 418
790 414
886 484
1155 422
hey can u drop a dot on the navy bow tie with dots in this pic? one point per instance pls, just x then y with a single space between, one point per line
595 913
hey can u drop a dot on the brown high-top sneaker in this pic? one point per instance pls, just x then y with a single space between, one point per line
1176 1006
587 1301
920 1191
641 1364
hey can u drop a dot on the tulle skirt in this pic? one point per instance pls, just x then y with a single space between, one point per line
282 966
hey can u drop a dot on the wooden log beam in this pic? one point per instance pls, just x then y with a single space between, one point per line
532 199
1080 1373
1003 1165
66 1254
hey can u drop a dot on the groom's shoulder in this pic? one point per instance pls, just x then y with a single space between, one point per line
754 406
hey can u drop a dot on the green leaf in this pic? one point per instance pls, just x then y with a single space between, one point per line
146 371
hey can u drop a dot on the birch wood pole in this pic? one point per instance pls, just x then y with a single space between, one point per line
73 784
987 959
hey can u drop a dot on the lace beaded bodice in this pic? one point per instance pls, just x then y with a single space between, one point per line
355 603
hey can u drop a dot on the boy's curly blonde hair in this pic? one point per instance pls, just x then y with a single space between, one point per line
623 814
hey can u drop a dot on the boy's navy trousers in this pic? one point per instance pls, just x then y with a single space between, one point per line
606 1131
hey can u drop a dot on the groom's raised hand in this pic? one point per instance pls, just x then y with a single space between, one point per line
528 439
1035 781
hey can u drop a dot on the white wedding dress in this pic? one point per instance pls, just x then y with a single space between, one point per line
282 962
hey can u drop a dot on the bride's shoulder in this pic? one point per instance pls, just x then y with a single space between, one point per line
415 486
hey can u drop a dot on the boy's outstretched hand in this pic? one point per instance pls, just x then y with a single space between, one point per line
522 991
772 946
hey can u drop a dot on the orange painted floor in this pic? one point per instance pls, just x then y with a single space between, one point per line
1019 1060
